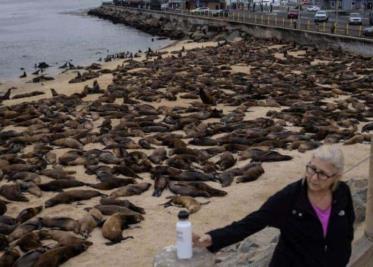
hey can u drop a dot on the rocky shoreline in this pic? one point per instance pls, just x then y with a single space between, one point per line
173 29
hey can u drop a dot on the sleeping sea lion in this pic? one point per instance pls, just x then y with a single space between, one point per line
59 185
9 257
130 190
71 196
63 238
187 202
121 203
13 192
28 242
25 228
28 213
160 183
251 174
58 255
90 221
62 223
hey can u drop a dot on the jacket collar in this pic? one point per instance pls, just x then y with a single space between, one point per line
339 199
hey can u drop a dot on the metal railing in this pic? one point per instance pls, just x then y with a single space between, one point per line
271 20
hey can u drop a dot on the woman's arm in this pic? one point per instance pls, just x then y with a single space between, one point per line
272 213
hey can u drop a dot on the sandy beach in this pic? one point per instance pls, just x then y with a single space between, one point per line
158 228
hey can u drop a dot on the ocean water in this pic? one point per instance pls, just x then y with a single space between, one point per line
54 31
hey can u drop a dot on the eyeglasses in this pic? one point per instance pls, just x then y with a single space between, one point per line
311 170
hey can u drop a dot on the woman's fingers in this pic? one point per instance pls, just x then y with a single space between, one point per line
201 241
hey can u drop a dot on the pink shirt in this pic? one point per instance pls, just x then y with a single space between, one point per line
323 217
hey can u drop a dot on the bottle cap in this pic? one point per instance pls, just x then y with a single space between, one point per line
183 215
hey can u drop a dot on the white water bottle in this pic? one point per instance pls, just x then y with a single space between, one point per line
184 236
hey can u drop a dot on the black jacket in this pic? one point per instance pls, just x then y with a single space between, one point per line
301 242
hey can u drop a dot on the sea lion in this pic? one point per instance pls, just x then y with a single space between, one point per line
113 182
62 223
4 243
113 227
13 192
29 258
90 221
187 202
158 155
62 237
68 142
206 97
28 213
60 254
111 209
61 184
30 187
121 203
160 183
26 227
58 173
9 257
7 220
71 196
251 174
130 190
6 229
24 176
193 176
28 242
226 161
3 207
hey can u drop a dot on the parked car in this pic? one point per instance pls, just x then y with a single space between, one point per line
355 19
321 16
368 31
293 14
313 8
200 10
218 12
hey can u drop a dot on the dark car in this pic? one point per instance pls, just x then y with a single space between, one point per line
293 14
368 31
371 18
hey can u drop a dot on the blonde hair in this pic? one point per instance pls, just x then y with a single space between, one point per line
334 155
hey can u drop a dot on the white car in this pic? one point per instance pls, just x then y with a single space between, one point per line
321 16
200 10
313 8
355 19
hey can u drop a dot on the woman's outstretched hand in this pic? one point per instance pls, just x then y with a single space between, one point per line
201 241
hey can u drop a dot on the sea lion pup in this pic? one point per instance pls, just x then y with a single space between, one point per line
114 225
71 196
28 213
268 156
25 228
193 176
158 155
160 183
251 174
130 190
59 185
121 203
185 189
62 237
24 176
62 223
13 192
60 254
28 242
58 173
187 202
226 161
9 258
68 142
90 221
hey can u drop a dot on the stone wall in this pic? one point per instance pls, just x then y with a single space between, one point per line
179 26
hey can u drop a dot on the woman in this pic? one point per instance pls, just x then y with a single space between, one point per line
315 216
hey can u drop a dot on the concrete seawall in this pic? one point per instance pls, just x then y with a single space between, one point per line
197 28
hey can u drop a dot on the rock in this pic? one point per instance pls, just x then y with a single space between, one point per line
167 258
